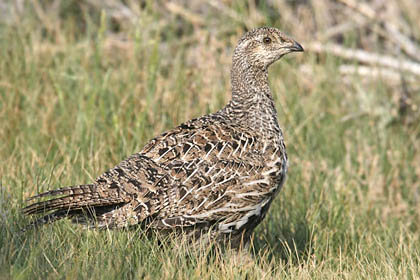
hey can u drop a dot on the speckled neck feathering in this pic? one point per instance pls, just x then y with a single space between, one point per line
217 174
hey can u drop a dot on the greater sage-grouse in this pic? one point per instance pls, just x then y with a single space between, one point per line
217 174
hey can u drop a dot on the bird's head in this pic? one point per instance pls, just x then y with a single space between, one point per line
263 46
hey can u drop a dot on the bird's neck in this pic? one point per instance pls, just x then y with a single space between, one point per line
252 101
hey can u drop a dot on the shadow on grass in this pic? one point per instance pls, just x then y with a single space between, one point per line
290 242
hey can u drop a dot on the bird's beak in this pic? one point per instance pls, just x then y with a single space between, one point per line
296 47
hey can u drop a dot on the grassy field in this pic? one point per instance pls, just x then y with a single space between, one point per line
83 87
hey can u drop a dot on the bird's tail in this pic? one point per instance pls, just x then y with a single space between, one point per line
47 219
71 199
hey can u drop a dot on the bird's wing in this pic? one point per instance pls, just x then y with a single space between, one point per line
193 174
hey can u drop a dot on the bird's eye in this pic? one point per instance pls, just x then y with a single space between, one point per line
267 40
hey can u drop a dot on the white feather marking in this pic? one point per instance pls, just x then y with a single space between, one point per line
212 148
274 154
205 186
260 181
265 173
210 169
215 175
264 147
159 158
255 210
237 148
164 222
225 180
241 195
184 156
244 148
242 221
186 194
221 150
201 204
223 209
189 177
216 200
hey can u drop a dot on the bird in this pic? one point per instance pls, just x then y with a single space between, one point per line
213 176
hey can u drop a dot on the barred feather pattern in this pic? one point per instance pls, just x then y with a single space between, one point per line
216 174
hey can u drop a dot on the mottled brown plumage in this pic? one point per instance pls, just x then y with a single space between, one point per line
217 174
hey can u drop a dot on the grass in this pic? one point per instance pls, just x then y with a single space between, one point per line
76 98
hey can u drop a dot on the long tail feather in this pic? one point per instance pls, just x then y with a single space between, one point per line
47 219
80 189
73 198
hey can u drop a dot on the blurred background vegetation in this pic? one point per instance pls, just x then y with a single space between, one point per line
83 84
